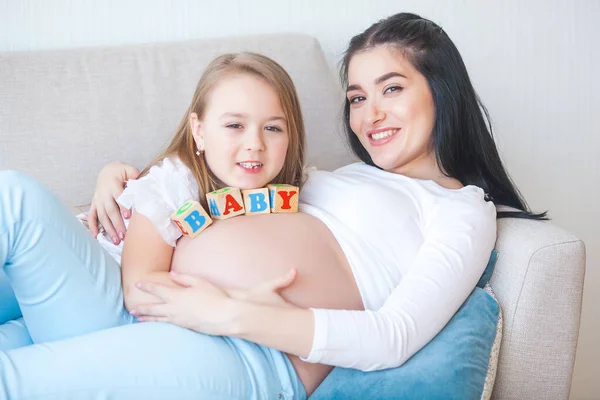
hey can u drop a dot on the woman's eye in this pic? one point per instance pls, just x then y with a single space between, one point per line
273 128
357 99
393 89
235 126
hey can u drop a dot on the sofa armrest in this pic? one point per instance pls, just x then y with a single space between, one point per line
539 282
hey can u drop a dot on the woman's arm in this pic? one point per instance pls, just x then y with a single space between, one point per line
289 330
458 242
459 236
104 209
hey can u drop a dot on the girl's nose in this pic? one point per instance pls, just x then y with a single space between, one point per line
253 140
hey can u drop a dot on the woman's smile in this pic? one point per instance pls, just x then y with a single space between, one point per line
379 137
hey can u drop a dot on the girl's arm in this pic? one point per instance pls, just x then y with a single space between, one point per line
260 314
146 256
151 236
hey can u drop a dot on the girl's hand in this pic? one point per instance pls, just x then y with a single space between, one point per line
206 308
109 186
197 305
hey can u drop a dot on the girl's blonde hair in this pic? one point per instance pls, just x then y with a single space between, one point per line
183 145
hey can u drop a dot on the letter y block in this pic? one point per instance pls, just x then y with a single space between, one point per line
283 198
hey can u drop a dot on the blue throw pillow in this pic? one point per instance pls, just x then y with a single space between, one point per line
454 365
489 270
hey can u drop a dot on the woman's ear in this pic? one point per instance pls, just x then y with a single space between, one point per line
197 131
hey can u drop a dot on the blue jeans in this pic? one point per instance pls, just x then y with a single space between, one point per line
65 334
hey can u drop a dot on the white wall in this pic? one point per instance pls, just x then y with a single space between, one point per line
536 65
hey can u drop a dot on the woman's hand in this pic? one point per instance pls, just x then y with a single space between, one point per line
267 293
204 307
109 186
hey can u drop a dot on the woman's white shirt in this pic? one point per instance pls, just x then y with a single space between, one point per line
416 250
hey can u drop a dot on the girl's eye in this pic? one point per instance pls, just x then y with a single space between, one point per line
357 99
393 89
235 126
273 128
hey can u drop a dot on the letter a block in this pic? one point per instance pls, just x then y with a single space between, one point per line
191 219
256 201
283 198
225 203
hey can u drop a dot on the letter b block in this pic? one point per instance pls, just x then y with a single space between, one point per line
225 203
191 219
256 201
283 198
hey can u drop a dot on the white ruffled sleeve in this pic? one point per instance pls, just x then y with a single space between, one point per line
165 188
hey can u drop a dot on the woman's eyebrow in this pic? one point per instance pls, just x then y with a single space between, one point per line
387 76
379 80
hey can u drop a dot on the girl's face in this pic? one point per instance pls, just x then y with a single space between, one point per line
392 112
243 133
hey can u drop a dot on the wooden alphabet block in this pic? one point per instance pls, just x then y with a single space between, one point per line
283 198
191 218
225 203
256 201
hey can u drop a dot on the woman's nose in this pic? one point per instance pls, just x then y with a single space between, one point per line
374 113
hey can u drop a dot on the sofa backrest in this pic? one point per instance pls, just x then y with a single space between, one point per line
64 114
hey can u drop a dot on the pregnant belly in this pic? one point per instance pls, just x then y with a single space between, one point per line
241 252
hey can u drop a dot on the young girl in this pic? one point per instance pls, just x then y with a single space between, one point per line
243 129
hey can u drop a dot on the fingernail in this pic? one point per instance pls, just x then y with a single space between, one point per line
126 214
115 240
121 235
133 312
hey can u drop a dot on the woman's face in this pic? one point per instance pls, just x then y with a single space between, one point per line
392 112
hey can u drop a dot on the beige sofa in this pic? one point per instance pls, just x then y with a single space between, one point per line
64 114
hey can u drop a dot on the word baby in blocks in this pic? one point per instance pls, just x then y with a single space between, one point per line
191 219
283 198
225 203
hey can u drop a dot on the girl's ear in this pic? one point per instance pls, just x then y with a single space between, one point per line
197 131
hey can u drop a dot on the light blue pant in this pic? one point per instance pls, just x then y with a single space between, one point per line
60 290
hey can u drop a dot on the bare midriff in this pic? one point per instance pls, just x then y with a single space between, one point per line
244 251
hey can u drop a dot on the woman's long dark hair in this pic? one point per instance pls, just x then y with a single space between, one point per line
462 134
